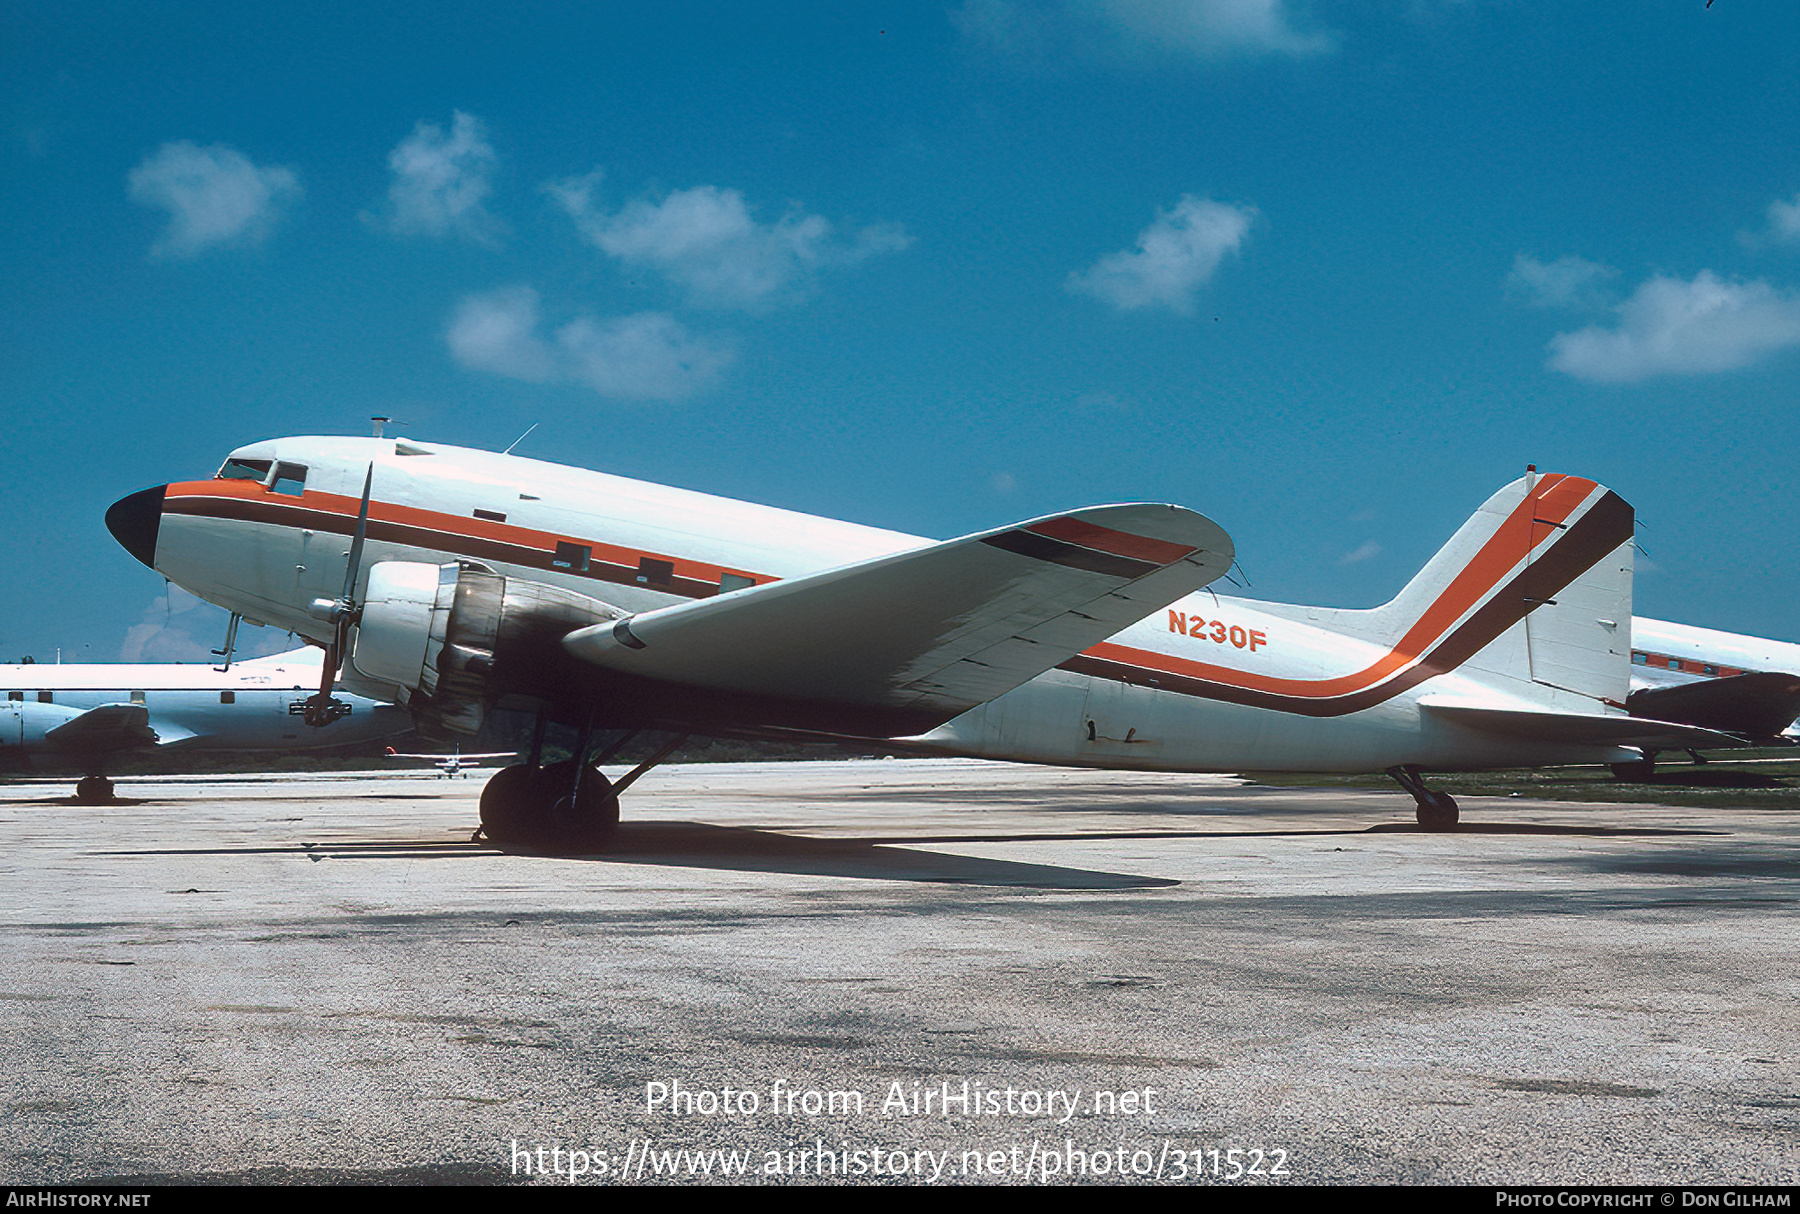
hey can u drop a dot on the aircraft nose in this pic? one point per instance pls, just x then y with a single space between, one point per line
135 520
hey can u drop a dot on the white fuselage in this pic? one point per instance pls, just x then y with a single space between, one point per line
1665 654
251 706
267 550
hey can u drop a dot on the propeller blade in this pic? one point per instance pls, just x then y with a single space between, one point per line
322 710
353 566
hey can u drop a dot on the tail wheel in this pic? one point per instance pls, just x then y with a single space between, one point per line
1437 811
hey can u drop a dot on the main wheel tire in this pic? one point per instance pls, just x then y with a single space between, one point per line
512 808
1437 811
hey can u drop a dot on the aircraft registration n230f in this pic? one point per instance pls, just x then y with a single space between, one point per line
457 581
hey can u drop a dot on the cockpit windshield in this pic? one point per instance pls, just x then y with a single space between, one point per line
244 470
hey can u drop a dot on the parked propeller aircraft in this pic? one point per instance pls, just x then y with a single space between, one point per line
81 716
457 581
1745 686
456 763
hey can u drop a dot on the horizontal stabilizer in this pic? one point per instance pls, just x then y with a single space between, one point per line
108 727
932 631
1758 705
1579 729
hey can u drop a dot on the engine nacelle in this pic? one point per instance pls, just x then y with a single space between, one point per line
461 636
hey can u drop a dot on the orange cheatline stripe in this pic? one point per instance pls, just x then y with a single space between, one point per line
1553 499
348 508
1105 539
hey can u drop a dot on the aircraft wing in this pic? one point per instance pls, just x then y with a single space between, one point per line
1760 705
935 630
1580 729
108 727
496 754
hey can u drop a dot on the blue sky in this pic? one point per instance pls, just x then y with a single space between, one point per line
1329 272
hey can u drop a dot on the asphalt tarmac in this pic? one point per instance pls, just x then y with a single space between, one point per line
919 971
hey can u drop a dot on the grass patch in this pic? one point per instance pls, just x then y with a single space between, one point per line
1756 784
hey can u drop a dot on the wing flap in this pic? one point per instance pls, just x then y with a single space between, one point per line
937 629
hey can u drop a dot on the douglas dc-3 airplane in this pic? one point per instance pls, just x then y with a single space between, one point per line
457 581
81 716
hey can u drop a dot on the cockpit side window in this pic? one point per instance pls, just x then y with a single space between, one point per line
289 479
244 470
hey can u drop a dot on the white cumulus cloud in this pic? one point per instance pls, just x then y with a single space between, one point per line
1193 29
442 181
706 241
178 627
1567 282
1210 28
1672 327
1174 257
1784 220
648 356
1783 227
214 196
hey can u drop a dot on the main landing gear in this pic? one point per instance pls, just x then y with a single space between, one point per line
566 808
94 790
1436 810
546 808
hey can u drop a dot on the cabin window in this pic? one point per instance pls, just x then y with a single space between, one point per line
734 581
137 697
572 556
655 573
15 695
45 697
228 697
244 470
290 479
1639 658
1675 664
492 516
1709 670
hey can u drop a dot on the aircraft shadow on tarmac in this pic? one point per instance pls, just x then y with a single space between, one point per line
699 845
881 858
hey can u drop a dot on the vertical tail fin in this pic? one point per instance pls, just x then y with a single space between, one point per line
1535 588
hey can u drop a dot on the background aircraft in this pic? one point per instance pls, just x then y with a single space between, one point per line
1745 686
454 763
81 716
458 580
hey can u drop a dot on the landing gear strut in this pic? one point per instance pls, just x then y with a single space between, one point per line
1436 810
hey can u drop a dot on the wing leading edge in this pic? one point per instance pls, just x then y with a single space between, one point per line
935 630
